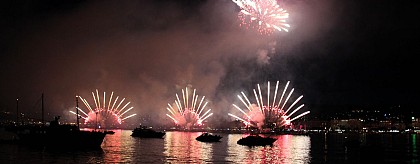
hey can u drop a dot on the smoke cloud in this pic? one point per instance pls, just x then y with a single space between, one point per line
144 51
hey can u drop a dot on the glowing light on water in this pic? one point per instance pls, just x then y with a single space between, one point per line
105 110
275 113
266 16
188 113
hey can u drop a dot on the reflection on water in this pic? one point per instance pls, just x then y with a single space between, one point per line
181 147
117 148
287 149
122 148
235 152
364 148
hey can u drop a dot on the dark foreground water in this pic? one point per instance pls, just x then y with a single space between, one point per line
181 147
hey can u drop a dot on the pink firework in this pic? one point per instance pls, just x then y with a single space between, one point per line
266 16
104 108
273 112
188 114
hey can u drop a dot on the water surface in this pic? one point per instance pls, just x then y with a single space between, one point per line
181 147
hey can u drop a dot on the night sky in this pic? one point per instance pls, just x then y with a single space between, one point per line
336 53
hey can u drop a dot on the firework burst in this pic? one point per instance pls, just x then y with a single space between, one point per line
271 113
266 16
104 108
188 113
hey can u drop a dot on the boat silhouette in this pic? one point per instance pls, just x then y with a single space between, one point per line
109 132
206 137
256 140
58 136
144 132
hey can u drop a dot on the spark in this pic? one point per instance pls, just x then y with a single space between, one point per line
129 116
266 16
172 118
82 111
241 119
79 115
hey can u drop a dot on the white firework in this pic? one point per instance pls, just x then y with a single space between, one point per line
277 112
266 16
104 107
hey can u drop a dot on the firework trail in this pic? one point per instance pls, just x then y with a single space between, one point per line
269 114
104 108
188 113
266 16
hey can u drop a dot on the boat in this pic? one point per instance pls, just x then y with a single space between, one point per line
206 137
144 132
58 136
256 140
109 132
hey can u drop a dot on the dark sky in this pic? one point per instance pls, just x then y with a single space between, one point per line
336 53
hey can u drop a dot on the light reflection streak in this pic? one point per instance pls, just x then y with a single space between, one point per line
414 146
113 144
287 149
181 147
235 152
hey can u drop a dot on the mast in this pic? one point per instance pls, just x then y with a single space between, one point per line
17 110
42 103
77 111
